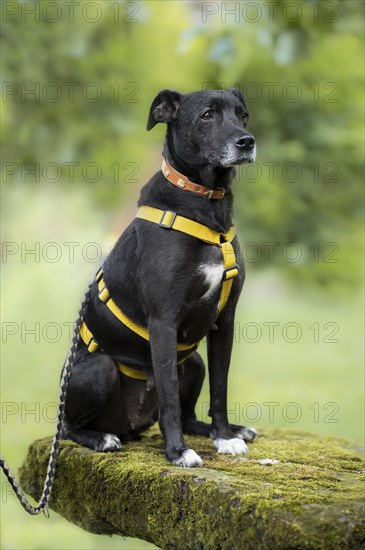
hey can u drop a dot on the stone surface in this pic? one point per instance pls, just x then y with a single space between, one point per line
312 498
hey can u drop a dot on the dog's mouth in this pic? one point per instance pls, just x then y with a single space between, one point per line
233 157
247 158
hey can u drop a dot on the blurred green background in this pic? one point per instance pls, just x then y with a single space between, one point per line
77 82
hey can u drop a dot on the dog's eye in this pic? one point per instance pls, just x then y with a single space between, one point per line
207 115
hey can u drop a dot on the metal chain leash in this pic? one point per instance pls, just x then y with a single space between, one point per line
42 505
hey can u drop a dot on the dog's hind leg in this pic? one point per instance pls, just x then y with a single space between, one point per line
93 404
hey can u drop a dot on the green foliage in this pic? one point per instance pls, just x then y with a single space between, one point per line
299 66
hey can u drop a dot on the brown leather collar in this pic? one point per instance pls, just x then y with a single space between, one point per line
181 181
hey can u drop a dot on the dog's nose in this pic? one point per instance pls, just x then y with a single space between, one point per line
246 143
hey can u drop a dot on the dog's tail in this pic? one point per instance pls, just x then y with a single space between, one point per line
42 505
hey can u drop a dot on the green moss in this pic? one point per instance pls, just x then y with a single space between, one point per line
312 499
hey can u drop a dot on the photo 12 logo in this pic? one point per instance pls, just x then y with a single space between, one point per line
271 12
270 412
70 11
275 90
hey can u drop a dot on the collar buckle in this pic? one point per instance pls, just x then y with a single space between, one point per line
212 193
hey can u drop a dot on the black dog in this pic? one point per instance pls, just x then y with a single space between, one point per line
168 283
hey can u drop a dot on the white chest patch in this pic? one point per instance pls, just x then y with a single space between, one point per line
213 274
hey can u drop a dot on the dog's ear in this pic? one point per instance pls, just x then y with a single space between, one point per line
238 94
164 108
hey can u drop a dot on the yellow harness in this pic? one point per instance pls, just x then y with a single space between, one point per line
168 220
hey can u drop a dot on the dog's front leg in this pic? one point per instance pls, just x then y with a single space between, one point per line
163 347
219 355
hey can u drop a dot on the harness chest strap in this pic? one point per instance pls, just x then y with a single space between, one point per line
138 329
93 346
230 271
137 374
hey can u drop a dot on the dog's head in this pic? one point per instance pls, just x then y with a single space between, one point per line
207 127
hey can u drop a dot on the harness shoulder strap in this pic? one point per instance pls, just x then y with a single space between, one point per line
170 220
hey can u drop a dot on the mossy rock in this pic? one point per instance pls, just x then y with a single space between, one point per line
313 498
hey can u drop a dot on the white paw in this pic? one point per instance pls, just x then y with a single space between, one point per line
189 459
110 443
233 446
